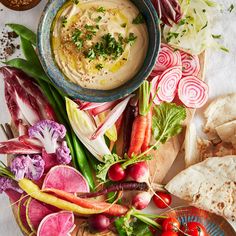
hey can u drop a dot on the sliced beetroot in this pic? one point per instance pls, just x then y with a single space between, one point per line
190 64
50 160
57 224
36 211
168 82
168 57
65 178
193 92
22 219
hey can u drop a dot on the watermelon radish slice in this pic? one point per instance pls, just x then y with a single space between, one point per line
13 195
22 215
57 224
36 211
65 178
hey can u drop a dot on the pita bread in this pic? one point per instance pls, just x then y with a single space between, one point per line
227 132
219 112
209 185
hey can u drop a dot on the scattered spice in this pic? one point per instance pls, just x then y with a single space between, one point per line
230 9
7 44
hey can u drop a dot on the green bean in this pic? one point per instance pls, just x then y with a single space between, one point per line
82 161
92 160
29 52
24 32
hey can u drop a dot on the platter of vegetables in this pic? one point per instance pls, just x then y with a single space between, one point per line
82 168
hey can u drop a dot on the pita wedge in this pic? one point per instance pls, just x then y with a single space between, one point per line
219 112
209 185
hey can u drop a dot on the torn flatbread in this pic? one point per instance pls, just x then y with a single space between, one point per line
227 132
209 185
219 112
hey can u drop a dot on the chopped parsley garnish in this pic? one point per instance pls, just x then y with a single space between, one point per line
182 22
98 19
78 41
91 29
171 35
139 19
216 36
75 1
89 36
64 21
224 49
123 25
205 26
230 9
131 39
90 54
99 67
101 9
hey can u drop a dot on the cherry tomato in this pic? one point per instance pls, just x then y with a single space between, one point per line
194 229
116 172
171 224
169 233
163 200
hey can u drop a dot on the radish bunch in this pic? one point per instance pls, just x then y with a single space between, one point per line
175 75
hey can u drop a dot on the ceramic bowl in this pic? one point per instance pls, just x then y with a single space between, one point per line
215 225
77 92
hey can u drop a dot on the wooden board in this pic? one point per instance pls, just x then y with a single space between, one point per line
164 158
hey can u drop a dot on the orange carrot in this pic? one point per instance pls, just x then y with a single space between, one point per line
148 132
137 135
111 209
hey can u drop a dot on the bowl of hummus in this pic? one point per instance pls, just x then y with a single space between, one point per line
98 50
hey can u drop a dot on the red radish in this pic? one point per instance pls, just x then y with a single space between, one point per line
139 172
168 57
137 135
190 64
168 83
171 224
148 132
116 172
99 223
36 211
162 200
193 92
111 209
65 178
22 215
61 223
141 200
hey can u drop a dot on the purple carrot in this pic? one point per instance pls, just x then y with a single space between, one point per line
128 123
131 186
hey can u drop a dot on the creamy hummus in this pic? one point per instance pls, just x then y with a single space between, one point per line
99 44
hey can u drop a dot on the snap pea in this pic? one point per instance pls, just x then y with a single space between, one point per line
92 160
27 67
82 161
24 32
29 52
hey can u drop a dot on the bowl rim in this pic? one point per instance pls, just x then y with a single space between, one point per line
94 95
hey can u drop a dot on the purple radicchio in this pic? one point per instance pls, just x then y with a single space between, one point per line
48 132
63 154
25 166
7 183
